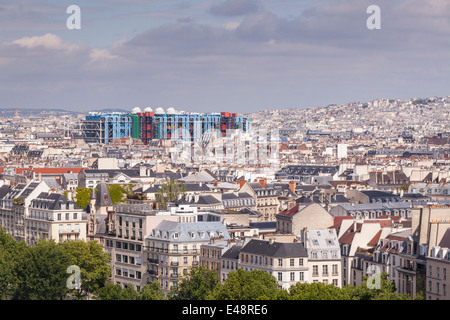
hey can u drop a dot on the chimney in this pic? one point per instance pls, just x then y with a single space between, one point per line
262 182
271 240
292 185
69 195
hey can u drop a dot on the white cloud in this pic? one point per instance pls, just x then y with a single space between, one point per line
101 55
232 25
47 41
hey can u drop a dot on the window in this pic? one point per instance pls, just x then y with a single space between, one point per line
118 258
315 270
75 216
67 216
300 262
59 216
325 270
280 262
301 276
291 262
292 276
280 276
334 269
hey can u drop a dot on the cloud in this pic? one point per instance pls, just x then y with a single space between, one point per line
235 8
48 41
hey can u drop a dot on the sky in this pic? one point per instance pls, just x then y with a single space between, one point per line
220 55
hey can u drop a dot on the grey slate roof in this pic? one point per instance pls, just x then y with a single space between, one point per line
55 201
233 252
183 231
103 198
276 249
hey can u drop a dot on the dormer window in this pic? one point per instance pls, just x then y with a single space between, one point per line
176 235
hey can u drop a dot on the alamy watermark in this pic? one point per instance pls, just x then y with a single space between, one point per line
374 280
74 20
74 280
374 21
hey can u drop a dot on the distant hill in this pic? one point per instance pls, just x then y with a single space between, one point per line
10 112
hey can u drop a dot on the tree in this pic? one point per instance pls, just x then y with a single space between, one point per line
117 193
198 284
152 291
82 197
41 272
10 255
114 291
169 191
316 291
386 290
111 291
93 264
247 285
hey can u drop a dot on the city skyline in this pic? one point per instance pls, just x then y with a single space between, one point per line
207 56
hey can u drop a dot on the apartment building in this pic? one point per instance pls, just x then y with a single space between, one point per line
230 261
30 212
265 196
14 206
324 255
294 220
356 237
437 274
125 242
53 216
211 253
173 247
286 261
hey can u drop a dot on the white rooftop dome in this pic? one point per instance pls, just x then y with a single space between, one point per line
171 111
136 110
159 110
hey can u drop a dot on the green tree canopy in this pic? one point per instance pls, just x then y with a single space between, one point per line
316 291
169 191
41 273
82 197
198 284
11 253
93 264
152 291
247 285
